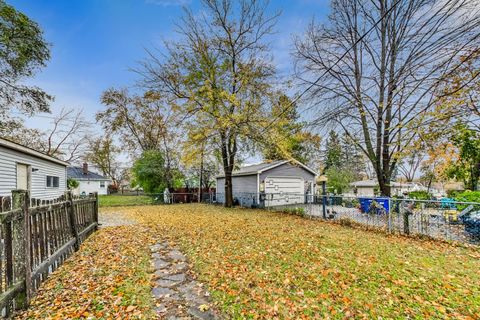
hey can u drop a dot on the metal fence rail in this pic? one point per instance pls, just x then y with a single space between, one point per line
184 197
438 219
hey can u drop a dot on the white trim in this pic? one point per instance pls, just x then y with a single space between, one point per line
305 167
82 179
250 173
288 161
273 166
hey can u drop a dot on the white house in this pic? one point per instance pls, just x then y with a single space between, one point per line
278 182
25 168
367 188
89 182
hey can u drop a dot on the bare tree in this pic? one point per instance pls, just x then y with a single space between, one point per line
65 139
218 73
410 164
103 153
386 80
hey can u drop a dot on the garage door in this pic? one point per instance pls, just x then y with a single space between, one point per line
284 190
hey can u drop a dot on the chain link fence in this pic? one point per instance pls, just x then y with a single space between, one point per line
178 198
438 219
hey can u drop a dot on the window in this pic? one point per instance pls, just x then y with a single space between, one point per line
53 182
102 184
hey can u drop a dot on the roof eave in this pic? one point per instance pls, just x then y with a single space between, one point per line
251 173
18 147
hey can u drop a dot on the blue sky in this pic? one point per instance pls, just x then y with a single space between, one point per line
95 42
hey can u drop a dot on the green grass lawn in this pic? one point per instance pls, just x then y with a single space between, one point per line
115 200
267 265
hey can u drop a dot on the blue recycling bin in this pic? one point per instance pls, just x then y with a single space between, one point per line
447 203
365 203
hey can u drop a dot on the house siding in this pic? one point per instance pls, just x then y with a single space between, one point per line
244 189
288 170
38 185
91 186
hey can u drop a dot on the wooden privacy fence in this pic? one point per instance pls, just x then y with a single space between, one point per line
36 236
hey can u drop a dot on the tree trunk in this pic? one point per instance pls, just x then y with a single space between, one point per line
228 189
200 183
384 184
227 169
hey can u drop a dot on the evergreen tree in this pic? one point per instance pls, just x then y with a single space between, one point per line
333 152
352 157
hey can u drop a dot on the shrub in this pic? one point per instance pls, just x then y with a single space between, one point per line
467 196
420 195
72 184
351 203
453 193
112 189
295 211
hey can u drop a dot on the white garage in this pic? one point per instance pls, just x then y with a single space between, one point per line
284 190
270 183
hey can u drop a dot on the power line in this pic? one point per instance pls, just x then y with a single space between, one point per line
331 67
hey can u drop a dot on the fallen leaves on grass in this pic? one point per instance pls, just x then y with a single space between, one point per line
267 265
107 279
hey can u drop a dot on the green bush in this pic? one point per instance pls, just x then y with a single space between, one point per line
351 203
468 196
72 184
295 211
453 193
420 195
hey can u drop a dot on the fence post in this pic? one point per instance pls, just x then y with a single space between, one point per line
95 212
406 222
71 214
21 246
324 200
389 215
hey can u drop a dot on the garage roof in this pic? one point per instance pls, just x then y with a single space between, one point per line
264 166
21 148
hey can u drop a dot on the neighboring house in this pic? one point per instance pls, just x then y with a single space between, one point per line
25 168
89 182
446 187
276 183
369 188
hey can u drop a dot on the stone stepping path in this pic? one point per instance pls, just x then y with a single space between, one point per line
177 294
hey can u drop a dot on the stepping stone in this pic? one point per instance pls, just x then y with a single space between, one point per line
192 293
156 255
160 292
178 318
180 266
161 308
166 283
160 264
179 277
156 247
203 315
176 255
160 273
173 298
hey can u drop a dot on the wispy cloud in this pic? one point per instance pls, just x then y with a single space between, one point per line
167 3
